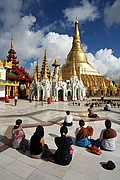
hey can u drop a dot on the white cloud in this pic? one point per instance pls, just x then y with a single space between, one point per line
10 12
84 12
112 13
106 63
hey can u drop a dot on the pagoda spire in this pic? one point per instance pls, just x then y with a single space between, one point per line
79 55
12 43
37 71
45 56
11 55
45 70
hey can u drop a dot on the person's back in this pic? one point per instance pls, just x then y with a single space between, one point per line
91 112
18 136
38 148
108 137
107 107
63 143
82 135
35 145
68 120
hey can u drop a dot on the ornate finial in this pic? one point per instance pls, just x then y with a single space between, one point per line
76 21
37 62
111 83
45 56
12 43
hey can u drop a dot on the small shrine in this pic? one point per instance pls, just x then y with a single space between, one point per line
18 75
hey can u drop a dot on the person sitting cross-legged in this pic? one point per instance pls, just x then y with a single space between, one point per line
68 119
108 137
82 135
107 107
63 154
91 112
38 148
18 137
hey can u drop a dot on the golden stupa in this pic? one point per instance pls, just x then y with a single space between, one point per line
94 82
81 63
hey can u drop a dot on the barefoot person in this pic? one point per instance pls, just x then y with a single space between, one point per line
82 135
63 154
18 136
91 112
107 107
108 137
38 148
68 120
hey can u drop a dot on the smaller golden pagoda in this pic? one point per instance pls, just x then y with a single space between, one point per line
45 70
37 75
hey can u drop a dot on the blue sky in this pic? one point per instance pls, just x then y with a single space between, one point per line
39 24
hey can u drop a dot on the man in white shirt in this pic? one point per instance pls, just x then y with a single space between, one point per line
68 119
107 107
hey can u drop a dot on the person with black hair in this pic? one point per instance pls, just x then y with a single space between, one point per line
108 137
107 107
82 134
38 148
68 119
63 155
18 136
91 112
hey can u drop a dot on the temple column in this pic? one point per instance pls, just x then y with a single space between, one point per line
75 96
79 93
27 89
13 90
38 94
73 93
56 94
7 90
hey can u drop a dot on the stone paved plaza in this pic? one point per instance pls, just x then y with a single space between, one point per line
14 165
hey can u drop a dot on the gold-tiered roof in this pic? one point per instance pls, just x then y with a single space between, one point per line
45 70
81 64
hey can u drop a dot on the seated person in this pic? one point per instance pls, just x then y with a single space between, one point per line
108 137
18 136
63 154
107 107
91 112
38 148
68 120
82 134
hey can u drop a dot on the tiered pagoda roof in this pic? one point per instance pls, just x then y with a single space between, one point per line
16 73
